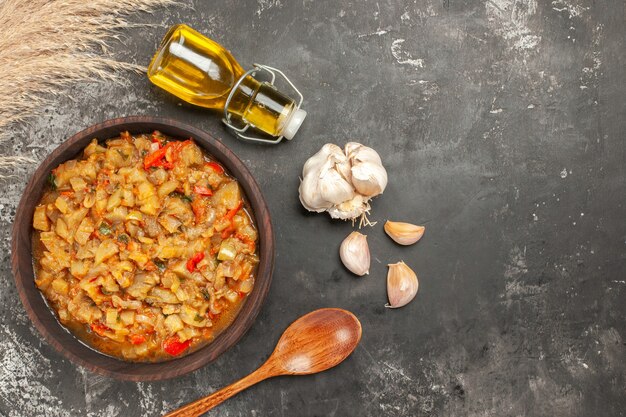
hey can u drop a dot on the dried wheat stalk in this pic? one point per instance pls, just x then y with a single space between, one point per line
47 44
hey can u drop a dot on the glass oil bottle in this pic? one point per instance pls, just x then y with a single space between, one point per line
202 72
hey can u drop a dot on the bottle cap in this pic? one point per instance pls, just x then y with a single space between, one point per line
293 124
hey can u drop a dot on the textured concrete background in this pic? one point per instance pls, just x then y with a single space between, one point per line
501 124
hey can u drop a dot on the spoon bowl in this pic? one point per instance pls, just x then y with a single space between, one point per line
317 341
314 343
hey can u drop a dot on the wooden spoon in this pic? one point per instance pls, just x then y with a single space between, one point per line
313 343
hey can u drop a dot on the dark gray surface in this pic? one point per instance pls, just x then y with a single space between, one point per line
501 125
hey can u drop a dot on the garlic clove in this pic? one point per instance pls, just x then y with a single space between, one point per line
404 233
351 147
314 163
355 253
361 153
321 165
369 179
402 285
333 187
341 164
310 196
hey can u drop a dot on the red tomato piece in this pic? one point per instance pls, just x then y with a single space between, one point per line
215 167
231 213
137 339
199 189
227 232
99 328
155 158
177 146
193 261
174 346
199 209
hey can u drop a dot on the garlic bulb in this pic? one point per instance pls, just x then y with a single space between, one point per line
404 233
342 182
402 285
355 253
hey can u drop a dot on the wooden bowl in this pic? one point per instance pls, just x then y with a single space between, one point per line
44 319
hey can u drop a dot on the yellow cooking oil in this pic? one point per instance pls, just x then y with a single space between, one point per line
202 72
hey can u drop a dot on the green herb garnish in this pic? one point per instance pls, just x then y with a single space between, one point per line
123 238
182 196
198 317
160 264
52 181
104 229
205 294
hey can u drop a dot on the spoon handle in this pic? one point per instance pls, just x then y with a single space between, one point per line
204 404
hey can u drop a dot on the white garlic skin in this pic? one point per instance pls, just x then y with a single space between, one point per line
314 163
310 196
342 181
369 179
341 163
361 153
404 233
323 183
333 187
355 254
402 285
350 209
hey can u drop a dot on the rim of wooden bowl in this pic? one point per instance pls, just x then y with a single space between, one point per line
44 319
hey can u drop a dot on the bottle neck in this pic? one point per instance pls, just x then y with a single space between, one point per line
261 105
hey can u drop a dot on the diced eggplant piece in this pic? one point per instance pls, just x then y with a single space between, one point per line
106 250
40 220
174 323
